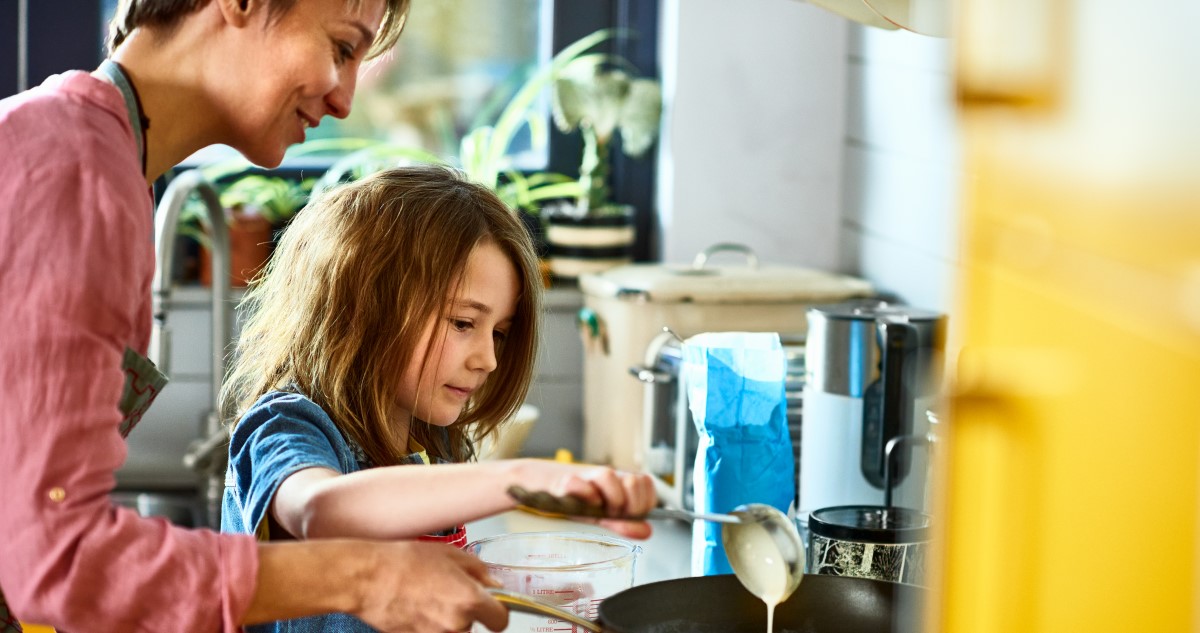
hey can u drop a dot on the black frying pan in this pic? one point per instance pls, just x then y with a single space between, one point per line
719 604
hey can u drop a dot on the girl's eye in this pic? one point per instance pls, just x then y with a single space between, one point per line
460 325
499 336
344 51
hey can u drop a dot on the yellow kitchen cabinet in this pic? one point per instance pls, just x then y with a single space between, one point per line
1072 482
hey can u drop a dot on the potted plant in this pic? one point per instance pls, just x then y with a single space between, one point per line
598 96
485 151
256 206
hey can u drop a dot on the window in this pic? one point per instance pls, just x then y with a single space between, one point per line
58 36
453 55
457 60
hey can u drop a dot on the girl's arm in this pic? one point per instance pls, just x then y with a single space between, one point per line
398 502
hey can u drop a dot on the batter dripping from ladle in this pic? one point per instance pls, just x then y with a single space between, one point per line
766 554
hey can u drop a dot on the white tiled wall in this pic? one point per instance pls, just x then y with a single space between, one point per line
751 147
814 140
901 171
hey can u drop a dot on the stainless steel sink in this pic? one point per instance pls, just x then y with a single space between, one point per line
182 507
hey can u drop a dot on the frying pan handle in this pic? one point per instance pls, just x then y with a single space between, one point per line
525 604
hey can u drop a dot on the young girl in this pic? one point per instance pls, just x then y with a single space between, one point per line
397 321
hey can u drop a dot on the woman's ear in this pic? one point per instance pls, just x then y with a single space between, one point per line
237 12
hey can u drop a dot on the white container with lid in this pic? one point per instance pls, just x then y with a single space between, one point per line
626 307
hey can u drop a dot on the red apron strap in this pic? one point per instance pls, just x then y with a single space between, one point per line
458 538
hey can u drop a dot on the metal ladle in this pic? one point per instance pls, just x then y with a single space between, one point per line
760 547
763 536
570 506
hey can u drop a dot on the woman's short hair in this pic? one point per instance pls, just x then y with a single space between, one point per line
166 14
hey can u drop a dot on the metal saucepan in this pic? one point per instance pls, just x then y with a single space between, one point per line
719 604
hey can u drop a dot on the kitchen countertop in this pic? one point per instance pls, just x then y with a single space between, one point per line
665 555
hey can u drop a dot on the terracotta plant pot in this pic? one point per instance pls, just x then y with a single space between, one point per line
250 244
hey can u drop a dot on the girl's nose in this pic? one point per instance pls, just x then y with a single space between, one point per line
484 356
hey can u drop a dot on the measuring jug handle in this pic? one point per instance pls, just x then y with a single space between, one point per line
526 604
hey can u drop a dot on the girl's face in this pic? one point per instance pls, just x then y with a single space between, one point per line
307 63
464 346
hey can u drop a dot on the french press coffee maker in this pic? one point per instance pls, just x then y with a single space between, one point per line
872 371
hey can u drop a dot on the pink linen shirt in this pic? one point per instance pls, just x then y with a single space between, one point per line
76 262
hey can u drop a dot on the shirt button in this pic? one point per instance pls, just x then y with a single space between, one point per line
57 494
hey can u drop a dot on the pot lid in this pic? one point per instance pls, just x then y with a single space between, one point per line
704 283
870 524
871 310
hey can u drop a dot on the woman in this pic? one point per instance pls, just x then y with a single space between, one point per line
76 219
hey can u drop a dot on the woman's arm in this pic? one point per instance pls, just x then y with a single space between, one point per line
76 252
407 501
395 587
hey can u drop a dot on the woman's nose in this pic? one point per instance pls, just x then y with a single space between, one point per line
337 101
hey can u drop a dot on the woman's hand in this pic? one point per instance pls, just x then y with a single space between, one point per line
396 587
420 587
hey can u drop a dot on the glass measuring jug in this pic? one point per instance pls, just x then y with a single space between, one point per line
574 571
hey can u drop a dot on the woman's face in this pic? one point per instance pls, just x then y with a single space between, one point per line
464 346
306 64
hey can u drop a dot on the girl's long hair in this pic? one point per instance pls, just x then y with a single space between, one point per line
353 283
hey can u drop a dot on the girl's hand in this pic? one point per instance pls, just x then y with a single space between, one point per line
621 494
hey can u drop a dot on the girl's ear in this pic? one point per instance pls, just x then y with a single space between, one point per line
237 12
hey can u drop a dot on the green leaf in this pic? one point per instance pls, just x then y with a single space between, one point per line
193 232
473 154
516 112
569 189
369 160
547 177
525 192
215 172
640 116
567 105
328 145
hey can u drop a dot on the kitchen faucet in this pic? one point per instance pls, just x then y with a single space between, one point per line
206 456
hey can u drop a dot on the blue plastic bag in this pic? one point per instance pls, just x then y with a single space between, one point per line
735 390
